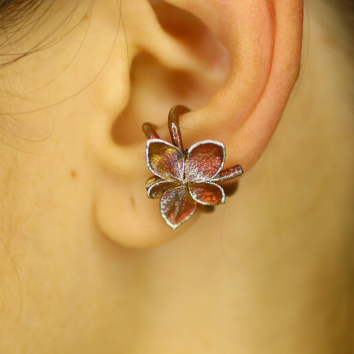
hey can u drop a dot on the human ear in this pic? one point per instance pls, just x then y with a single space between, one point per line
241 59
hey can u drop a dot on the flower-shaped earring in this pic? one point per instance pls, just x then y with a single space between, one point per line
185 179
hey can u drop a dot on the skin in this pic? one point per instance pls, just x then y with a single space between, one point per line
87 263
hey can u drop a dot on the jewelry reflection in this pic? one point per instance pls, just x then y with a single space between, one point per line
186 179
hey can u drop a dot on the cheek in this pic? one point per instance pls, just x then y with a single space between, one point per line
68 47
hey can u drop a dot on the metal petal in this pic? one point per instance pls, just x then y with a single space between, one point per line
207 193
164 160
204 161
177 206
229 173
156 190
152 180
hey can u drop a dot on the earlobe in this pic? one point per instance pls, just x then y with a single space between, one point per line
263 38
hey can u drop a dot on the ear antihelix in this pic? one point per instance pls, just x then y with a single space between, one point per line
264 40
247 30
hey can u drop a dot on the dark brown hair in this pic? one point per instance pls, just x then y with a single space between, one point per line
14 12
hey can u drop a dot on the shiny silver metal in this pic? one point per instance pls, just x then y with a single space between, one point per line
186 179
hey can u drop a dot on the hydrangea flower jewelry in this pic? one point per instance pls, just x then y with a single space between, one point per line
186 179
